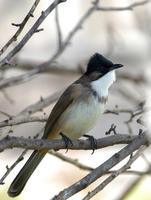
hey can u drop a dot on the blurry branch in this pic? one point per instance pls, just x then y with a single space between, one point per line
24 116
20 142
130 7
141 121
128 95
58 28
131 187
7 97
25 77
82 166
138 110
19 159
5 114
139 78
21 27
28 35
42 103
56 68
102 169
9 169
22 120
70 160
39 69
115 174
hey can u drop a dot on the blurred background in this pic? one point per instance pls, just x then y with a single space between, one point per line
123 37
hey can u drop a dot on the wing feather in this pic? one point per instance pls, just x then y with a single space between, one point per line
64 101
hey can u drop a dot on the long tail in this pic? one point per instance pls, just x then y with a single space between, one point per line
21 179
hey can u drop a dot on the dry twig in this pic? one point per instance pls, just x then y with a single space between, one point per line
20 142
101 170
115 174
21 27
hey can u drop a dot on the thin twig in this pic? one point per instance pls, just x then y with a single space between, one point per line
27 76
28 35
23 120
24 116
130 7
19 159
21 27
76 163
9 169
71 161
58 28
101 170
115 174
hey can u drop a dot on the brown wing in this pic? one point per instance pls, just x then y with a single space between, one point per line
64 101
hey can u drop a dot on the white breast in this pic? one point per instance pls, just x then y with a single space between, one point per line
81 117
102 85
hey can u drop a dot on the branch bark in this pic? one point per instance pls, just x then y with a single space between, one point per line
20 142
102 169
28 35
21 27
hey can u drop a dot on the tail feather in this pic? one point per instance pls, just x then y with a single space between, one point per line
21 179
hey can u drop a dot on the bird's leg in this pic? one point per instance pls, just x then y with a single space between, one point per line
93 142
66 140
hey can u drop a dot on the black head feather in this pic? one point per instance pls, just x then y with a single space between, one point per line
99 63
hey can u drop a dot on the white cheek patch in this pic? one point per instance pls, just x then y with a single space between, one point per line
102 85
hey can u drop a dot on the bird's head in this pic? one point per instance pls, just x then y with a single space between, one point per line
100 64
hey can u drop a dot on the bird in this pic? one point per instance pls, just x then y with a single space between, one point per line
75 113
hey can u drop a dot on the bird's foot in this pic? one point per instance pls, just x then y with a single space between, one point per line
93 142
66 140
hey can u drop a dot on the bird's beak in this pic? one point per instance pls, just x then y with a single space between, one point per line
116 66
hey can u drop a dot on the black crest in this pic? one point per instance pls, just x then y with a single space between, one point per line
99 63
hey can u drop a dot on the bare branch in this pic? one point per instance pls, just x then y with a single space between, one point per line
9 169
42 103
101 170
44 66
21 27
28 35
58 28
19 159
20 142
24 116
115 174
22 120
76 163
71 161
130 7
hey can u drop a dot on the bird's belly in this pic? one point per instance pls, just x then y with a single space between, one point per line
80 118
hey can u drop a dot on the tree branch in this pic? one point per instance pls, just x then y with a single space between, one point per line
20 142
59 34
28 35
130 7
102 169
44 66
21 27
9 169
115 174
